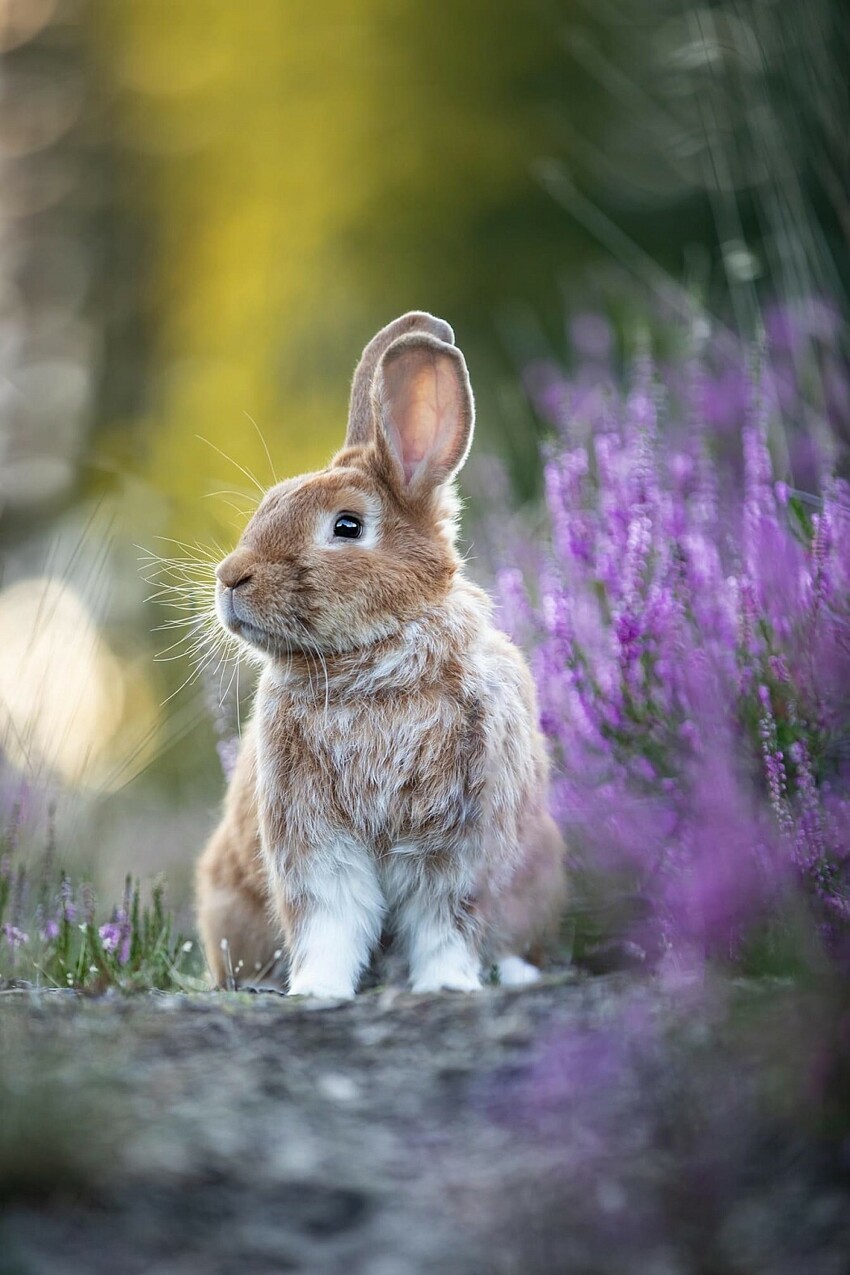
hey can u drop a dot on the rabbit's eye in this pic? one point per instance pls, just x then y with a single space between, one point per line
348 527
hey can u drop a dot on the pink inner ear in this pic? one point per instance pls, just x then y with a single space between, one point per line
424 409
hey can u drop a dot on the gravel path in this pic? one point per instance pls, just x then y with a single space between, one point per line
583 1125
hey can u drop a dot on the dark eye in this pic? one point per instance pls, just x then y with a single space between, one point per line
348 527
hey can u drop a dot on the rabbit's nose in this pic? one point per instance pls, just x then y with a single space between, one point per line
234 571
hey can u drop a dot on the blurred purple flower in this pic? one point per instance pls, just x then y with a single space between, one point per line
66 898
115 936
48 926
228 753
693 643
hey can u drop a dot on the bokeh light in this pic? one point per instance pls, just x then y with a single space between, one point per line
65 698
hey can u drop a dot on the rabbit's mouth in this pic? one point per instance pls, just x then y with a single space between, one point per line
250 632
233 618
252 635
231 614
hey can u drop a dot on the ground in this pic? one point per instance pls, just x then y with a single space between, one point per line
528 1130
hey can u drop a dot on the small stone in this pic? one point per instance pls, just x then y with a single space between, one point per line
338 1087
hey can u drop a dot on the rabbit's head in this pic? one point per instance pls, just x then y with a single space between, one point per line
339 559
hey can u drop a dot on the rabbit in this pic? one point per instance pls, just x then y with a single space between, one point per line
394 776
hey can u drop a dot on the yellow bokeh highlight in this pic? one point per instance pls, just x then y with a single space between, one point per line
272 144
69 707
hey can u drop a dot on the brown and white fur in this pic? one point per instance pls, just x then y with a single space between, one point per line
393 776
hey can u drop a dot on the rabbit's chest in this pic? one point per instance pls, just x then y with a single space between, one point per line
407 768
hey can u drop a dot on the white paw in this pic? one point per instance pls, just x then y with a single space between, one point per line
326 990
515 972
446 979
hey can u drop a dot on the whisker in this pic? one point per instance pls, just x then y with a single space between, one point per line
187 606
181 655
251 477
178 623
233 675
194 675
239 492
166 573
204 550
265 446
314 651
243 513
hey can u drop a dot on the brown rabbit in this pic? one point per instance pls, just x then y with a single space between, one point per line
394 776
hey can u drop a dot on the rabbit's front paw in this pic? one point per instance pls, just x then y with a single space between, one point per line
321 989
515 972
447 976
441 958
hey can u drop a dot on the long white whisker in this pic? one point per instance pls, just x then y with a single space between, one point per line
194 638
314 651
265 446
327 680
225 694
193 676
194 615
251 477
204 550
240 493
243 513
190 653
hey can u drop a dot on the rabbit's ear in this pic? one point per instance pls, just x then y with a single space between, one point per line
360 424
424 412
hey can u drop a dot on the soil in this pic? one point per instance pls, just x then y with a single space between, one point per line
505 1132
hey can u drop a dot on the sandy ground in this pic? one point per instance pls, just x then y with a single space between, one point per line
536 1130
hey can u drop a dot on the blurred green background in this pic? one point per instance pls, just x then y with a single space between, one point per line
206 210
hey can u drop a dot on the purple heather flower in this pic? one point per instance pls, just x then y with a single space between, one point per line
66 897
724 399
88 901
516 612
683 630
821 547
47 926
228 753
549 391
110 935
115 936
15 936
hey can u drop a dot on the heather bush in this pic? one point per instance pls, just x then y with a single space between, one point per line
50 935
690 619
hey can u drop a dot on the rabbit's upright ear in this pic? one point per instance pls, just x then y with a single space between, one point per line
360 423
424 412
